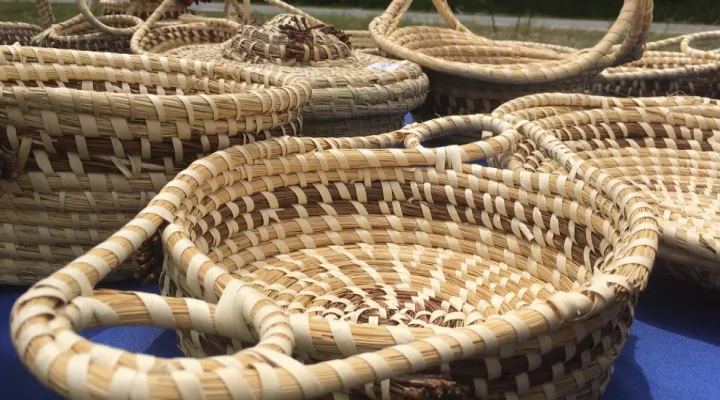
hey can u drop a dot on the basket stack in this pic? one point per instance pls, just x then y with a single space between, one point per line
665 148
662 73
90 138
22 33
394 273
353 93
469 73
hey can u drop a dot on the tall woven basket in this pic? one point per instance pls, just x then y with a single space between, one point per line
664 147
22 33
393 273
89 138
353 93
469 73
683 70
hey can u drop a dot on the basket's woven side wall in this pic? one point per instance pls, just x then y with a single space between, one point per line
664 147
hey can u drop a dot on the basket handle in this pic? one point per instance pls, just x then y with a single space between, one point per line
47 18
145 27
501 138
686 45
99 25
635 18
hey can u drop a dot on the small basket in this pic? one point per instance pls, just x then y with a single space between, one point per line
662 73
348 86
22 33
665 148
469 73
412 275
90 138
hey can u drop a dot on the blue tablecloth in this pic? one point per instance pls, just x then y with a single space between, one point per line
673 351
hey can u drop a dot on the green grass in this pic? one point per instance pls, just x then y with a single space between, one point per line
25 11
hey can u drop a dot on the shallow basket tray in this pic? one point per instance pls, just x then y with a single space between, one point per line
526 309
469 73
663 147
90 138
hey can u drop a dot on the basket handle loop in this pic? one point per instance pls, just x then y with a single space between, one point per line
47 18
686 46
99 25
499 137
145 27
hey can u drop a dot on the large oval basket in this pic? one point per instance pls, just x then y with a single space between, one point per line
353 93
90 138
664 147
417 275
469 73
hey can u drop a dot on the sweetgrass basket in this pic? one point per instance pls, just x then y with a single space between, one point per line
22 33
385 269
90 138
664 147
469 73
144 8
351 91
669 67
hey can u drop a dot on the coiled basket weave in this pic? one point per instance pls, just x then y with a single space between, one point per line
469 73
665 148
661 73
89 138
353 93
394 273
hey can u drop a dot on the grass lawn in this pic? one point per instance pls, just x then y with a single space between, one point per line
25 11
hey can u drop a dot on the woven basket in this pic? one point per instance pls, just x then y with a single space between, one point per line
22 33
430 282
79 164
346 86
359 40
469 73
144 8
664 147
662 73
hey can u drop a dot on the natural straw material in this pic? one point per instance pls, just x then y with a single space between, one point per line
469 73
346 85
664 72
665 148
89 138
397 263
22 33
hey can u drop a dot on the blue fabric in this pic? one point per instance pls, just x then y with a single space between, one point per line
673 351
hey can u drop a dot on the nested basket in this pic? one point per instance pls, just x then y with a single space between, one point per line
666 72
351 91
90 138
665 148
469 73
395 273
22 33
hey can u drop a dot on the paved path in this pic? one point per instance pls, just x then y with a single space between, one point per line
429 17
